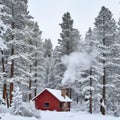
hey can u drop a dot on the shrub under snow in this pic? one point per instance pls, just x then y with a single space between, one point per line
28 110
18 107
3 108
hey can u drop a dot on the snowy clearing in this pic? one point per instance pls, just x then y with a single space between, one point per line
51 115
48 115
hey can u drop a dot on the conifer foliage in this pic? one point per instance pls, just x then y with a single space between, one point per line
16 100
69 36
106 30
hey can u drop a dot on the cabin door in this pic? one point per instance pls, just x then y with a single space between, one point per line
64 106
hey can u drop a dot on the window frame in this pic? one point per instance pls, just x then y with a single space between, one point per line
46 104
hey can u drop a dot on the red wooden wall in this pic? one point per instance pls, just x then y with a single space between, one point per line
46 96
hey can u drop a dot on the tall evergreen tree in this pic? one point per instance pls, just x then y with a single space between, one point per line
37 59
3 29
68 43
91 81
69 36
105 33
52 70
114 93
18 54
48 64
32 69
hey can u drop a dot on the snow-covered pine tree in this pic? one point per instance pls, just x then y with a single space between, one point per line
37 60
16 101
105 28
48 64
47 72
56 68
114 104
25 61
68 42
69 36
91 76
18 51
3 29
32 66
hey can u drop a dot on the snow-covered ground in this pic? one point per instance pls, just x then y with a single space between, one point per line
8 116
53 115
73 116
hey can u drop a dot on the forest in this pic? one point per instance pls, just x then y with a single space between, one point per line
89 66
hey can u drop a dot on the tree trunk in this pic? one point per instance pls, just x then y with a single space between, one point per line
90 91
35 90
12 61
11 75
30 90
11 89
30 83
103 100
3 70
104 81
103 95
3 61
77 98
4 91
7 100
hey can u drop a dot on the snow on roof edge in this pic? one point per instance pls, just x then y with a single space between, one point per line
55 93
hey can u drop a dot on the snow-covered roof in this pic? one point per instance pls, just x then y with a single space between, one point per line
57 94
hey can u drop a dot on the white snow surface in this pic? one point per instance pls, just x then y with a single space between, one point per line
53 115
57 94
8 116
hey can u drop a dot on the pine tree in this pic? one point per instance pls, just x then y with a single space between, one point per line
57 70
38 59
32 75
114 93
67 44
16 101
93 74
3 47
16 37
105 34
69 36
48 64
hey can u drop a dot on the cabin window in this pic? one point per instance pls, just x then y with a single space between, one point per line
46 105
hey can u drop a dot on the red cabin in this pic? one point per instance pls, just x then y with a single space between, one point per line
51 99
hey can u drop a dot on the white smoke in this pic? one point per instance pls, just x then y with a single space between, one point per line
75 62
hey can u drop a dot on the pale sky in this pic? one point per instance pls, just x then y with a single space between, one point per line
48 14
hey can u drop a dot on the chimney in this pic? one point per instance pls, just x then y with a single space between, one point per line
63 92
